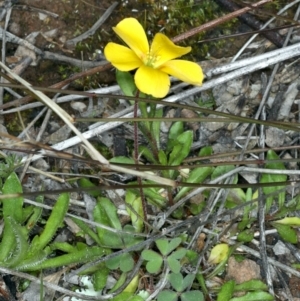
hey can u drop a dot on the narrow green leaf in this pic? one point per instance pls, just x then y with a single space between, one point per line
21 238
13 207
291 221
254 296
87 230
221 170
197 175
100 277
85 183
251 285
175 130
137 214
226 291
81 256
54 221
105 213
36 214
181 148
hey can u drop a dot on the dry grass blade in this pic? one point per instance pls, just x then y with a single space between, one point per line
89 147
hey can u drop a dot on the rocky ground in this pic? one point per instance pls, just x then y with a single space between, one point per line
58 51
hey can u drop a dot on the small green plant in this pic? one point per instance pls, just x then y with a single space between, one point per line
19 252
167 256
255 290
180 284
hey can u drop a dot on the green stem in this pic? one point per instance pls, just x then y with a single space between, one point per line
136 159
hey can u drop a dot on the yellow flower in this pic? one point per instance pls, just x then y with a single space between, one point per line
154 64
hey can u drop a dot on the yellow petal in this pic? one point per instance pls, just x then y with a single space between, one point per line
121 57
133 34
152 81
165 50
186 71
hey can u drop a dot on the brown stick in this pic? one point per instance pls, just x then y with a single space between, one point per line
251 21
219 21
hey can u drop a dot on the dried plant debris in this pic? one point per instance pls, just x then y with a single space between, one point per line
108 193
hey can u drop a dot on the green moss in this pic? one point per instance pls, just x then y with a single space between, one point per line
179 16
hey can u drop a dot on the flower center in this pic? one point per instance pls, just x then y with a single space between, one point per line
150 59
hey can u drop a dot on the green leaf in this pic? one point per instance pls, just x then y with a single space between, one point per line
254 296
192 296
85 183
291 221
175 130
81 256
123 261
251 285
155 127
130 240
13 207
226 291
246 235
181 149
122 160
137 214
105 213
188 280
100 277
150 255
178 254
197 175
176 280
22 246
166 246
174 265
154 267
126 82
205 151
163 160
167 295
271 178
127 263
146 152
126 296
286 232
54 221
87 230
36 214
221 170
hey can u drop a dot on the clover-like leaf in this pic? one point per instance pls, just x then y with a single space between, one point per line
154 261
166 246
192 296
167 295
123 261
